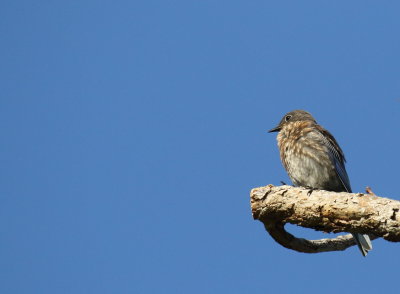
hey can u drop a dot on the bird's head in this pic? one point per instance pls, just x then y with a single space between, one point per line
293 116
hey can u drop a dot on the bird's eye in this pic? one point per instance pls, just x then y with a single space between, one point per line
287 117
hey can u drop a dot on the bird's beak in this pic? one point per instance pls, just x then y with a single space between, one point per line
276 129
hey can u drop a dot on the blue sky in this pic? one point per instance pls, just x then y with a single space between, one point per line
133 132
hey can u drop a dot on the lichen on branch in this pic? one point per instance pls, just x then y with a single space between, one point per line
324 211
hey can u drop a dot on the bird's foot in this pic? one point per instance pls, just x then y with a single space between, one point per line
310 190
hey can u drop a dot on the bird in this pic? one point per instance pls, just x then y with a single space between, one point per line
313 159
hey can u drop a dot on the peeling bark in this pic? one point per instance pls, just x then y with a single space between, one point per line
324 211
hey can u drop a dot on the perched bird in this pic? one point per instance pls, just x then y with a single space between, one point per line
313 159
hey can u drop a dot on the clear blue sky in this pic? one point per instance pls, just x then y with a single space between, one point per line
133 131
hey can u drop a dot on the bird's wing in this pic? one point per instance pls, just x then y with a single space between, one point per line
336 155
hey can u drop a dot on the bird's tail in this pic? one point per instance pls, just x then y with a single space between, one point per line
363 243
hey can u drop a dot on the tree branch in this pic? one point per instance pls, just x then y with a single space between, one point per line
324 211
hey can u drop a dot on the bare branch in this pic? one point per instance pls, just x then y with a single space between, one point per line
324 211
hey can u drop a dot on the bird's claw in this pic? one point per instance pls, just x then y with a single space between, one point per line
310 190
